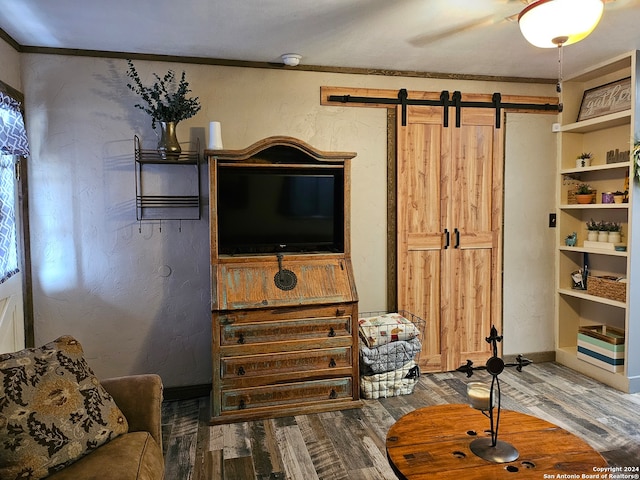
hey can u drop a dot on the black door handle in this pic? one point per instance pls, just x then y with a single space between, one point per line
446 239
457 234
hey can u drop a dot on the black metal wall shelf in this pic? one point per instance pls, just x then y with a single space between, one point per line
156 205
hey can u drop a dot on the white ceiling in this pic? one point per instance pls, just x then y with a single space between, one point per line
438 36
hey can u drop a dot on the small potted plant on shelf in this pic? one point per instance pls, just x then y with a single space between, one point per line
571 240
592 230
584 159
614 232
584 193
167 103
619 197
603 231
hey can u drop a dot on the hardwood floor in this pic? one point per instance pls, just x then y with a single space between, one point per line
350 444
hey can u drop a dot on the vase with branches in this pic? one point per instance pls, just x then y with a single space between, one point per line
167 103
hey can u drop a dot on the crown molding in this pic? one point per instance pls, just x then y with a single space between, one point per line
269 65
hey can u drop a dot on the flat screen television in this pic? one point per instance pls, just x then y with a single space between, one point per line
280 209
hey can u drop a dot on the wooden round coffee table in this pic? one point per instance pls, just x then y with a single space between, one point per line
433 442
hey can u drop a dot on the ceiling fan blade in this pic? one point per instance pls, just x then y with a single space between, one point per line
425 39
620 4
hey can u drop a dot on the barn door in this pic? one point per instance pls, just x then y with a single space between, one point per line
449 231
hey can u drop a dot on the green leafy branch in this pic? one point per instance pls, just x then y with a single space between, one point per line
164 101
636 159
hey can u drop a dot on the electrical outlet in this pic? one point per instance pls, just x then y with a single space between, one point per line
552 220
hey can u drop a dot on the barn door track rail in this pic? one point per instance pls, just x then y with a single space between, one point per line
445 101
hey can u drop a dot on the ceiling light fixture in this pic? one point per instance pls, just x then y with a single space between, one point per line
551 23
291 59
556 23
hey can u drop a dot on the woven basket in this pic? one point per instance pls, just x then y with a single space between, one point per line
571 196
607 287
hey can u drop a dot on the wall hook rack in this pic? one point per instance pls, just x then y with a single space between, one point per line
152 201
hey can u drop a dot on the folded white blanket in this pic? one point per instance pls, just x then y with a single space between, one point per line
390 384
388 357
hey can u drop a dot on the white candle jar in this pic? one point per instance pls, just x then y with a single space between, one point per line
479 396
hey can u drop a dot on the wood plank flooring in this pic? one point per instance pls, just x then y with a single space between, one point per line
350 444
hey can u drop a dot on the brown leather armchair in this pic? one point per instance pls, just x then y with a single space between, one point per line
136 454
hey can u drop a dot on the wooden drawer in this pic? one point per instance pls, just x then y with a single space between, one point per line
287 394
285 363
282 331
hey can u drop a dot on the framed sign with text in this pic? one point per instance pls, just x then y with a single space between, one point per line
610 98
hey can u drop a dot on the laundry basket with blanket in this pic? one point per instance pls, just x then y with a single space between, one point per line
390 345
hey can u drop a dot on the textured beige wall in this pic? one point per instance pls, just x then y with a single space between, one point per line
529 243
10 61
97 277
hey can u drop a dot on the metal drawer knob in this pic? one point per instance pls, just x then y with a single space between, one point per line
241 371
332 332
333 393
241 339
332 363
241 405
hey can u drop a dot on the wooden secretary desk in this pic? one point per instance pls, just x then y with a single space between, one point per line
284 301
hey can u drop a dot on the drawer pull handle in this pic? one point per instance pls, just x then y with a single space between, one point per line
241 405
241 371
332 332
241 339
333 393
340 312
332 363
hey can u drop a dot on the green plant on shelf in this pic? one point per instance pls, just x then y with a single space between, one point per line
592 225
613 226
635 153
583 189
585 156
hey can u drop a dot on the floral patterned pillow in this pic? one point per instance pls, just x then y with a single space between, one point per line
53 410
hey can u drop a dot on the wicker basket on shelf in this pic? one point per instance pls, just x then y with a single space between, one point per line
607 287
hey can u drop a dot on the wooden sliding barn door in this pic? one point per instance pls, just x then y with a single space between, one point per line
449 235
